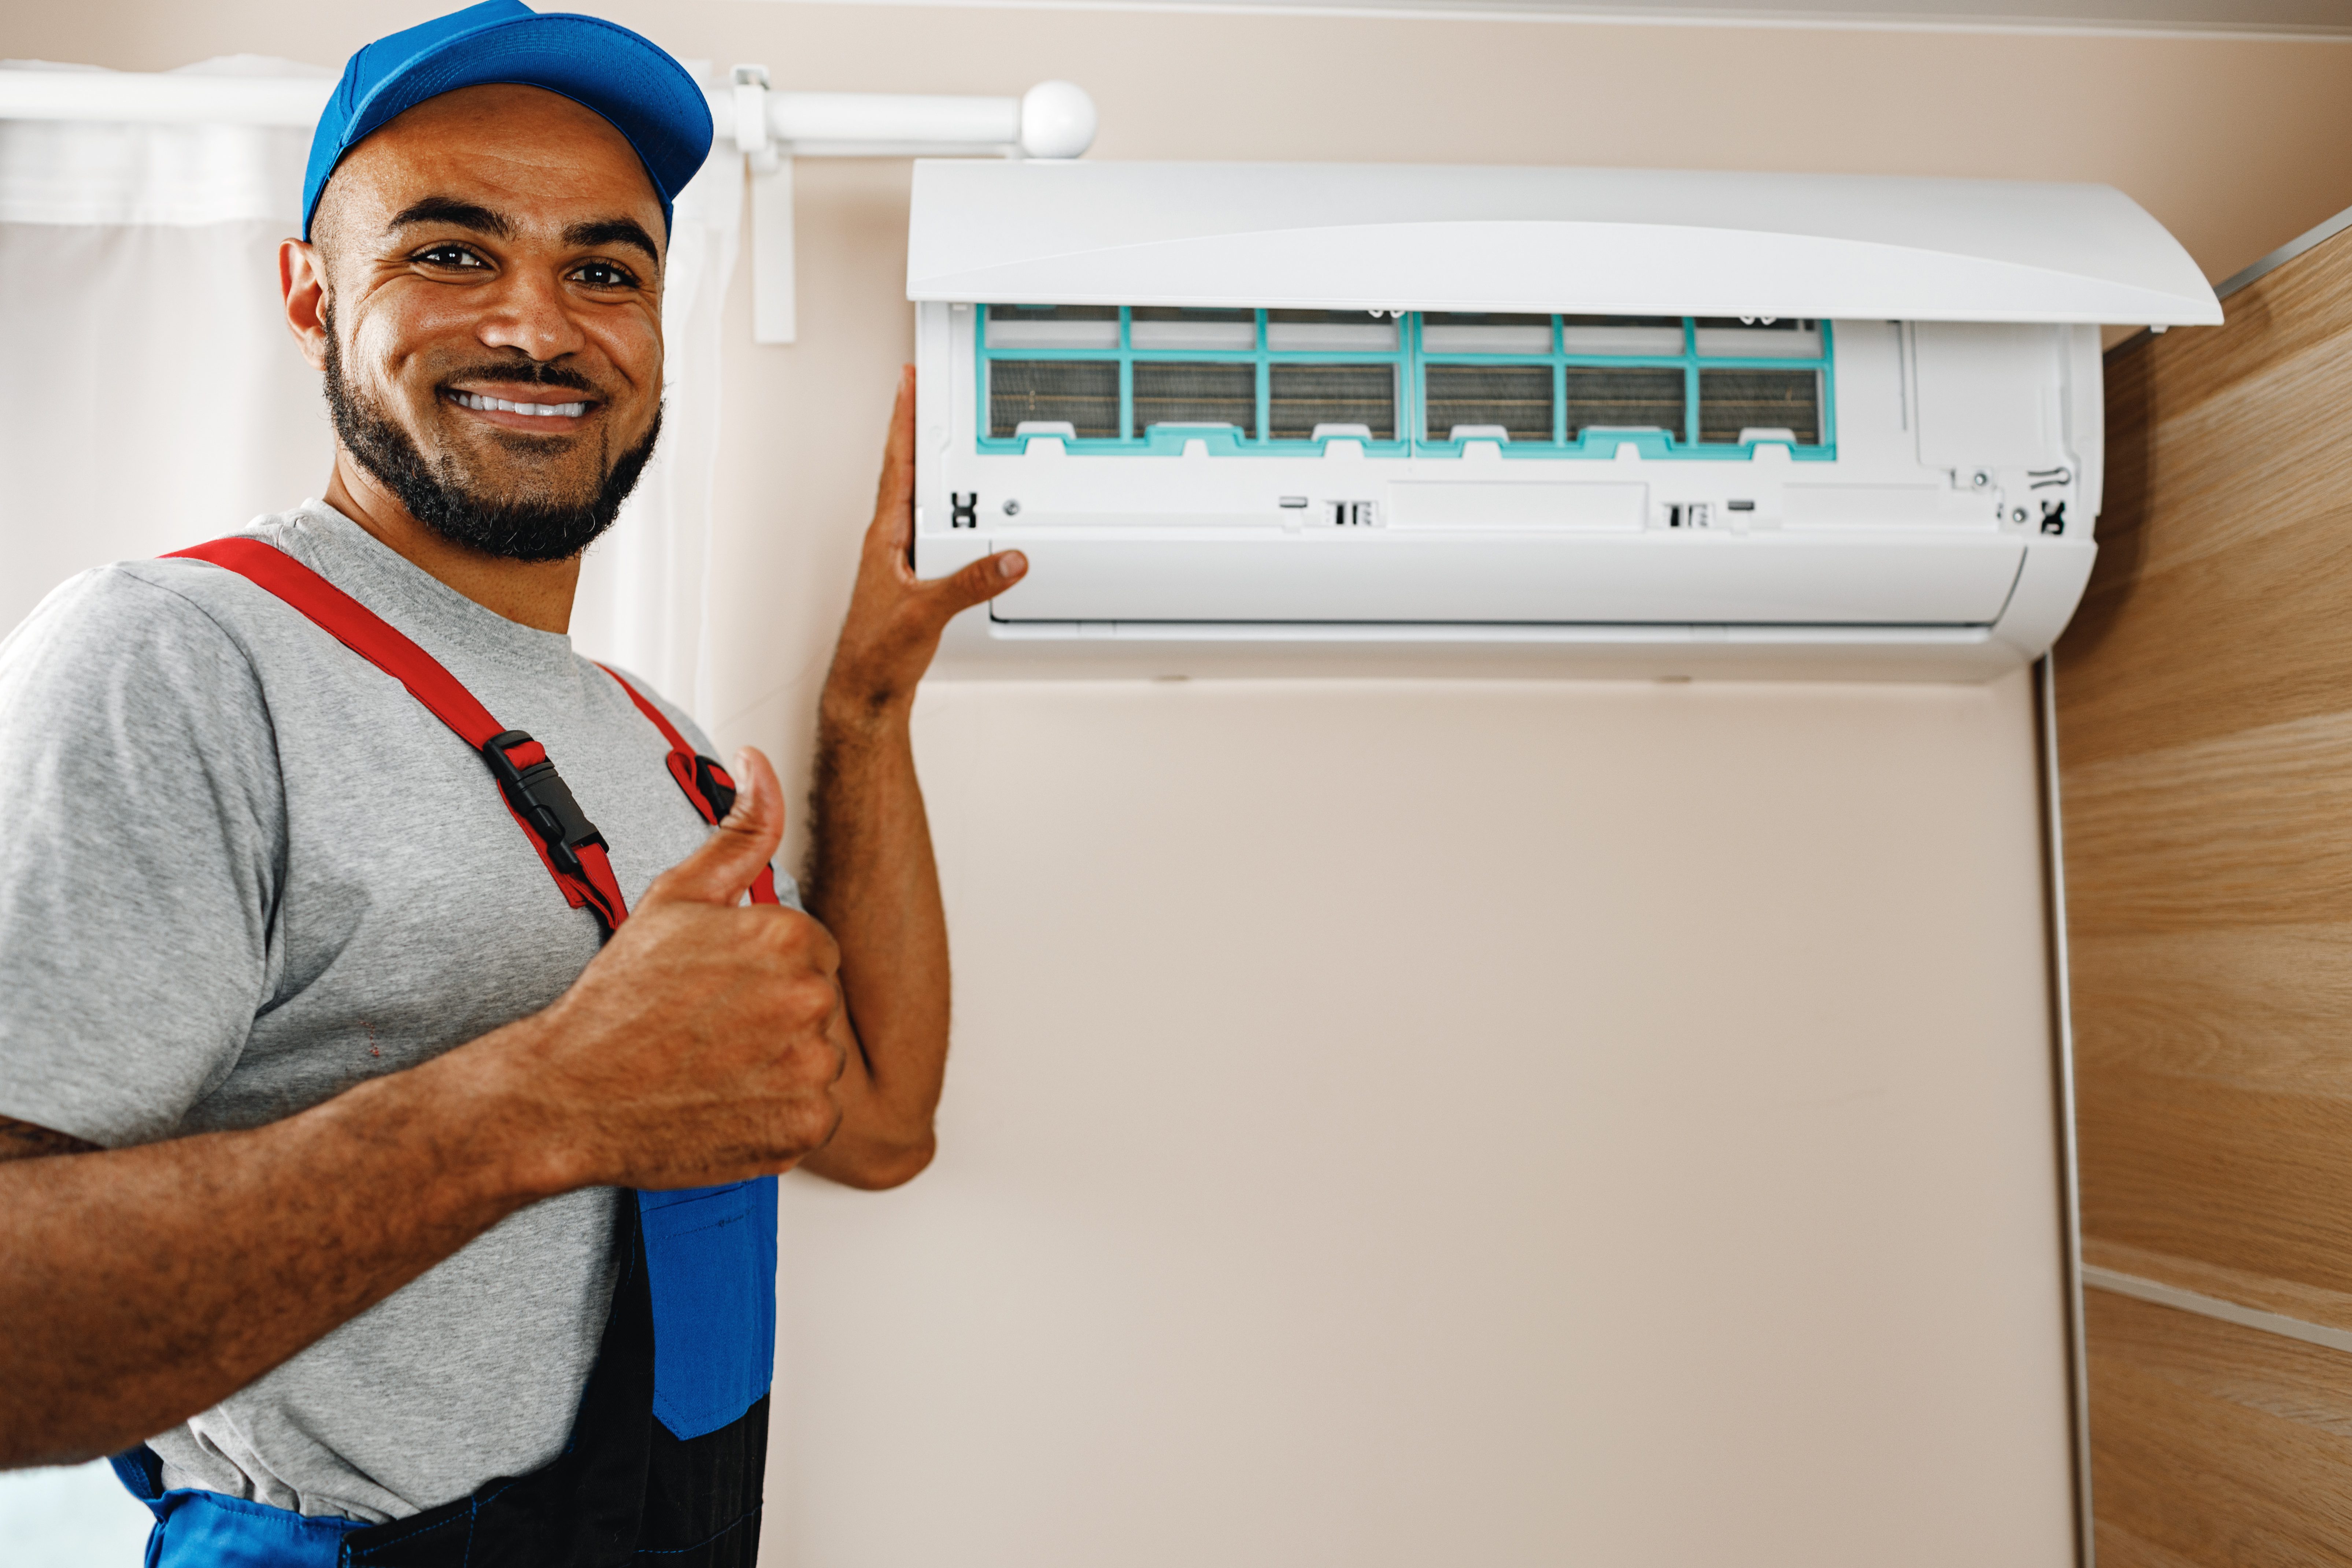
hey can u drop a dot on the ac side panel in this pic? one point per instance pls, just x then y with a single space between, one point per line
2086 421
943 417
2055 573
1990 395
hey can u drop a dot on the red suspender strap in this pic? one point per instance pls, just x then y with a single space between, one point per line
706 783
568 843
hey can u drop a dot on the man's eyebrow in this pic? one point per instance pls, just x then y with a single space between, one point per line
451 211
614 231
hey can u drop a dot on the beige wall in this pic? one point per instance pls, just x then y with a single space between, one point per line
1501 1123
1402 1123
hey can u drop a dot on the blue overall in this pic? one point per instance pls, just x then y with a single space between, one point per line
665 1460
668 1451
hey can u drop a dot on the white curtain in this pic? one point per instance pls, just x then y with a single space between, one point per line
150 396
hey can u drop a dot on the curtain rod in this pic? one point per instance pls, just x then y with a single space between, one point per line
165 99
1054 120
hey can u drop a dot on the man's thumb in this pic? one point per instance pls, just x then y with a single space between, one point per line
744 841
981 581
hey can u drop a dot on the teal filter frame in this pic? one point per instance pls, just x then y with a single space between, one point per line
1408 361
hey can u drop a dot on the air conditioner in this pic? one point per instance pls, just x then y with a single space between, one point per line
1290 419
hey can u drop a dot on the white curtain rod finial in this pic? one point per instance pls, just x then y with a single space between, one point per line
1057 121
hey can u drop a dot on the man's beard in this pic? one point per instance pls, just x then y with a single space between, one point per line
439 495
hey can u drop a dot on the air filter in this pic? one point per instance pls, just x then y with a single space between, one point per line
1081 393
1516 397
1631 398
1305 395
1731 401
1176 393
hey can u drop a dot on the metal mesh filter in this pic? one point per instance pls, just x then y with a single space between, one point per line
1172 393
1637 398
1730 401
1083 392
1305 395
1516 397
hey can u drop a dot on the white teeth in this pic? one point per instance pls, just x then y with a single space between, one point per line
538 410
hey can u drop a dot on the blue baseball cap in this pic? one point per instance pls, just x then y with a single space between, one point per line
630 80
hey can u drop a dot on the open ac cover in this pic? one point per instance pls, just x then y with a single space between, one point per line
1316 418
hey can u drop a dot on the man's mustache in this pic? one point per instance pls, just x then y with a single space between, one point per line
524 373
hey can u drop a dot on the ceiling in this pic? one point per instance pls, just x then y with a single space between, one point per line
2305 18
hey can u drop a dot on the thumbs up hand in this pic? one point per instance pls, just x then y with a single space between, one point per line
706 1042
721 870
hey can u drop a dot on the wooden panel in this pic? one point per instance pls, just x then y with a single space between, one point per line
2215 1445
2224 556
2230 832
2205 747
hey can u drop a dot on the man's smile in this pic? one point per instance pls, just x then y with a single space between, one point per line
522 409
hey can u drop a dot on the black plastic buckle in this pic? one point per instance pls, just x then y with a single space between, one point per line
541 798
716 791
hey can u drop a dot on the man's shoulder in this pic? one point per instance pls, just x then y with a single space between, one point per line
116 612
169 626
119 610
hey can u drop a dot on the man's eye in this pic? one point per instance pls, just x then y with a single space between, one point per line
450 256
604 274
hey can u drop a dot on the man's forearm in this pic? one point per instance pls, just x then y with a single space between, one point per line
871 876
139 1286
872 880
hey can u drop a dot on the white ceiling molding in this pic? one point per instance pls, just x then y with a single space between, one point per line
2279 20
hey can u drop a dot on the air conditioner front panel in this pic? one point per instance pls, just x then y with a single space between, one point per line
1786 579
1272 482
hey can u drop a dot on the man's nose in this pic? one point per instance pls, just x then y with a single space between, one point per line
529 313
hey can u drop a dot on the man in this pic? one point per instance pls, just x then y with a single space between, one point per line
387 1132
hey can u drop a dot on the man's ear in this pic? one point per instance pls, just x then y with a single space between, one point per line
302 279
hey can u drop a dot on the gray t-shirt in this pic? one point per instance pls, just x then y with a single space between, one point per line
242 870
